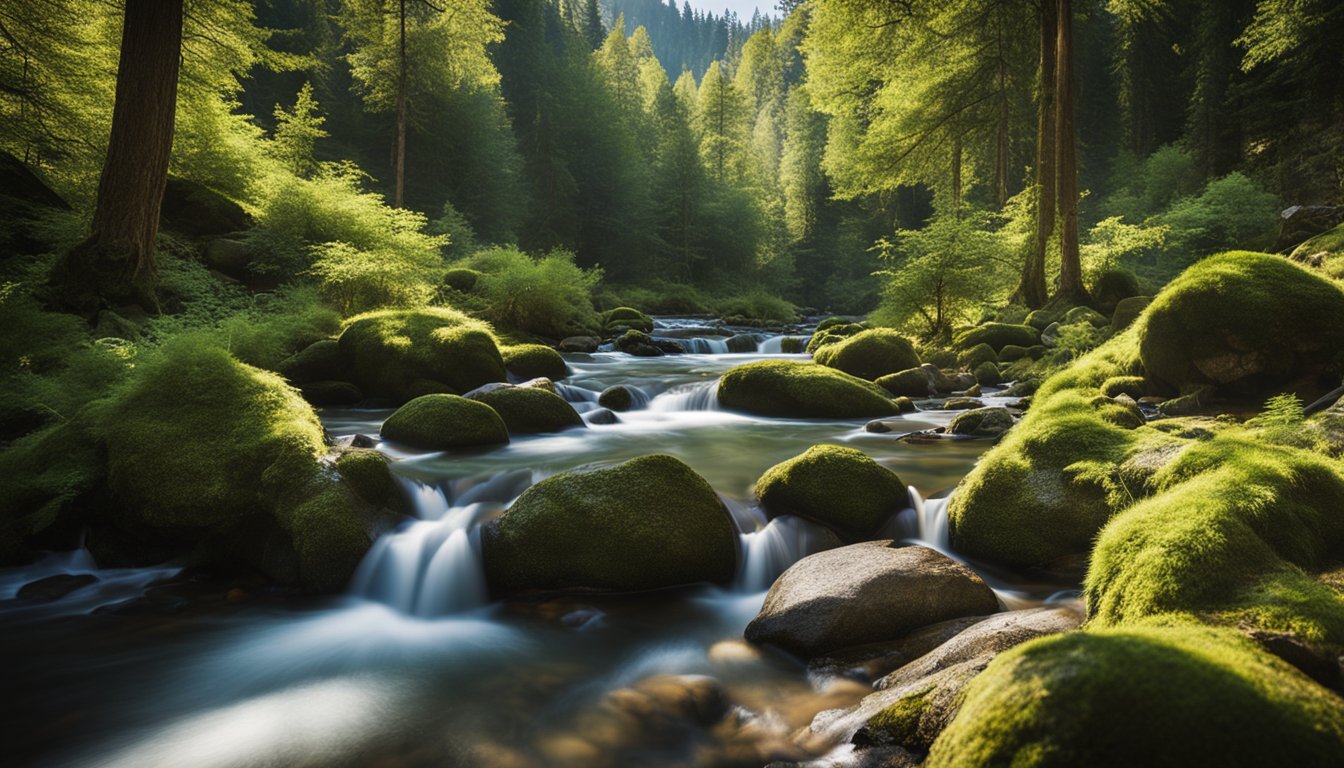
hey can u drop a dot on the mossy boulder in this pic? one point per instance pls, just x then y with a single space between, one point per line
841 488
1177 696
461 279
977 355
389 351
982 422
1111 287
648 523
1128 310
195 210
987 374
1245 321
52 481
792 345
1085 315
531 361
328 393
626 317
1013 352
833 322
442 422
801 390
369 476
998 336
870 354
912 382
621 398
833 333
1134 386
527 410
319 361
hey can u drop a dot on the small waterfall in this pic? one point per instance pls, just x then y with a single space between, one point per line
925 521
575 394
770 551
703 346
775 344
700 396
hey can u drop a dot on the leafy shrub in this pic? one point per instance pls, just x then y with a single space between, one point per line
1229 213
756 307
548 296
658 297
1113 244
358 280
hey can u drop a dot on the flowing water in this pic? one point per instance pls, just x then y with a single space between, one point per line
415 666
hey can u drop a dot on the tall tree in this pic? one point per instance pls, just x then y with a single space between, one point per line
1032 289
1066 160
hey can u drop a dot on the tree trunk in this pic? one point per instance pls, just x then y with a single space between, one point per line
400 160
956 176
116 263
1001 137
1070 268
1032 290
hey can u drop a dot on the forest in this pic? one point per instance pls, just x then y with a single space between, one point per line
630 382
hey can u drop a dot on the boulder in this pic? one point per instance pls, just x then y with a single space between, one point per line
742 343
1128 310
531 361
648 523
320 361
866 593
461 279
393 353
982 422
973 357
961 404
527 410
622 398
228 256
195 210
441 422
997 336
637 343
24 200
1111 287
1085 315
841 488
1303 222
1012 352
939 381
801 390
327 393
601 416
626 317
912 382
584 344
987 374
870 354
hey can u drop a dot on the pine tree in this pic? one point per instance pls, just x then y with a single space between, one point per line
297 130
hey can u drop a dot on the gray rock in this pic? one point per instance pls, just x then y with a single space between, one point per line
961 404
743 343
982 422
939 381
55 587
579 344
1050 336
864 593
232 257
601 416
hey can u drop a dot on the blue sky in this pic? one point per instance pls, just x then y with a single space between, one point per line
743 8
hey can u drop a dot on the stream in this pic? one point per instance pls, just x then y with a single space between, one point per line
415 666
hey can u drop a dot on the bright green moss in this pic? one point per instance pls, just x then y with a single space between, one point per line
389 351
792 345
912 382
443 422
1134 386
48 484
1169 696
648 523
1128 310
530 361
987 374
528 410
841 488
319 361
1248 319
369 477
329 534
898 723
870 354
1085 315
1323 251
998 336
461 279
801 390
832 322
626 317
980 353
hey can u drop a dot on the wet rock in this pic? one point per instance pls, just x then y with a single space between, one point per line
528 410
443 422
838 487
326 393
621 398
530 361
743 343
961 404
586 344
868 663
938 380
987 374
865 593
601 416
912 382
55 587
638 343
982 422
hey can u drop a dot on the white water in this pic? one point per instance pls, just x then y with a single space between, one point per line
701 396
770 551
774 345
704 346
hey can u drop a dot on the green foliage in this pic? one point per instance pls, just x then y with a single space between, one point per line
1231 212
357 280
296 131
547 296
841 488
756 307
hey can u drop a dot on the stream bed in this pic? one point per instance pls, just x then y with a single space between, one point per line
414 666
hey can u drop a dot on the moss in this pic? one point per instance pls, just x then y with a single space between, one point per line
1134 386
621 398
870 354
904 405
899 723
1171 696
527 410
821 339
841 488
531 361
648 523
1228 320
832 322
1112 286
319 361
1012 352
461 279
980 353
389 350
1041 319
329 534
325 393
801 390
626 317
998 336
831 334
912 382
1085 315
443 422
1323 251
792 345
987 374
50 481
369 477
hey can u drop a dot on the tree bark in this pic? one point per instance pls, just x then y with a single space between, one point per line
400 160
116 263
1070 268
1032 290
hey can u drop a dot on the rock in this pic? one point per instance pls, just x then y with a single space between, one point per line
637 343
1012 352
938 380
1303 222
584 344
865 593
977 355
973 391
1133 386
195 210
461 279
319 361
443 422
25 200
1225 322
327 393
1085 315
869 663
743 343
601 416
21 185
904 405
870 354
528 410
229 256
1050 336
110 325
841 488
368 474
1128 310
982 422
961 404
622 398
801 390
1040 319
997 336
541 382
1037 352
530 361
648 523
1111 287
1197 696
626 317
987 374
391 353
55 587
793 345
912 382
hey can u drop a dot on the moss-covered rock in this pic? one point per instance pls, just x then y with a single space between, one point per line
527 410
982 422
637 343
1012 352
626 317
51 483
319 361
390 351
833 322
841 488
531 361
1111 287
1085 315
1248 321
998 336
1323 252
648 523
443 422
1041 319
870 354
801 390
621 398
987 374
912 382
1128 310
976 356
1134 386
330 393
831 334
1152 696
461 279
792 345
369 476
